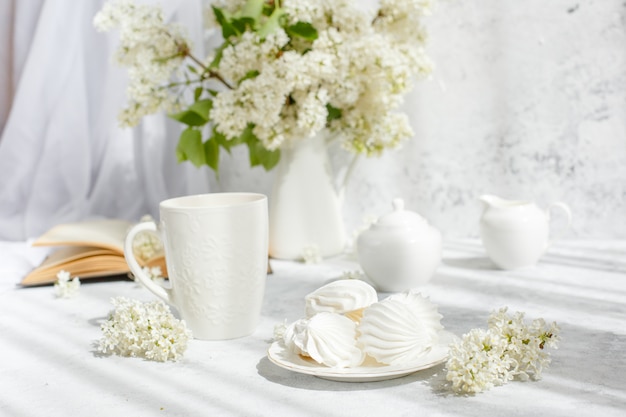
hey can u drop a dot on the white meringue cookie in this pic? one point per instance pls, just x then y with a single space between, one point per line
328 338
400 329
294 336
345 296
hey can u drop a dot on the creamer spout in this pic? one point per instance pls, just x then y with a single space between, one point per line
489 200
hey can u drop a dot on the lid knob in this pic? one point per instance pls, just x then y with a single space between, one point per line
398 204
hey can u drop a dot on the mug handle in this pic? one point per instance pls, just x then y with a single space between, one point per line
159 291
568 214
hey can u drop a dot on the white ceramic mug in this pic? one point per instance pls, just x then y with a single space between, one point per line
216 248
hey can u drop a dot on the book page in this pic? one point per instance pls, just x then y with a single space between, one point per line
70 253
84 262
106 233
87 267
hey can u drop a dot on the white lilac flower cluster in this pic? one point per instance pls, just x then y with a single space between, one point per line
311 254
361 63
150 49
147 245
65 287
153 272
353 274
147 330
286 71
507 349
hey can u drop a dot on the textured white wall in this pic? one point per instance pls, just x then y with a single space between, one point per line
528 100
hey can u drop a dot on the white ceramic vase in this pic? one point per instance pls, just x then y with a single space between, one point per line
305 204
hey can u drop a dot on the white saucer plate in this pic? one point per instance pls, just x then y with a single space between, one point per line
369 371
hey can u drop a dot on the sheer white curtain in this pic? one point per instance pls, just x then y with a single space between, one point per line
62 155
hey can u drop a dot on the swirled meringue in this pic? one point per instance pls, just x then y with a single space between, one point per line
399 329
345 296
328 338
293 336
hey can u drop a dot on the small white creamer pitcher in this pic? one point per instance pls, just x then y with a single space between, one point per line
516 233
216 255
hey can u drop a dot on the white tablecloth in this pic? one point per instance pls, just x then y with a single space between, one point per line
49 365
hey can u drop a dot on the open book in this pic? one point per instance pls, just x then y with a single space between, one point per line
93 249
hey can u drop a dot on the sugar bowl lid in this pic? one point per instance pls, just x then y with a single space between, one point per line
400 217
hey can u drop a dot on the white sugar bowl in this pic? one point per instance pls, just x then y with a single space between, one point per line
400 251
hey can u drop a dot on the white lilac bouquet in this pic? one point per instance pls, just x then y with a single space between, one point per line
506 350
285 71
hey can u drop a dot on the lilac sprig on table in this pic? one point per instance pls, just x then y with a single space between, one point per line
66 286
147 330
508 349
311 254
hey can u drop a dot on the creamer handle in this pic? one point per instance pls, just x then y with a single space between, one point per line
568 214
139 274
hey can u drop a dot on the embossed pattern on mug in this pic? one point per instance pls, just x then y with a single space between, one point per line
226 278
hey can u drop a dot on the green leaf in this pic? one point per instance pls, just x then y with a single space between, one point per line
333 113
239 140
197 93
268 8
271 24
219 52
249 75
213 92
190 147
221 140
253 155
196 115
190 118
242 24
212 154
302 30
228 29
253 9
247 136
193 69
269 159
258 154
225 142
202 108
